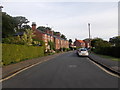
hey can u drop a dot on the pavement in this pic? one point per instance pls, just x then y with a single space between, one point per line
11 69
105 62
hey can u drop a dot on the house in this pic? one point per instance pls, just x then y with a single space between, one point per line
79 43
87 43
47 36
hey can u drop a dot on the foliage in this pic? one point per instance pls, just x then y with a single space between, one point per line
110 51
98 42
42 28
38 43
8 25
104 47
70 41
12 53
52 45
55 33
20 20
48 28
115 41
26 39
65 49
26 27
63 36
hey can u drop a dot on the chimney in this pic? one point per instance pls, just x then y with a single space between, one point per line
33 26
47 31
75 39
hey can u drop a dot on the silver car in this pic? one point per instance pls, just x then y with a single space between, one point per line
82 52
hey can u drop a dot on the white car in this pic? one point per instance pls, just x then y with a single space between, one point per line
82 52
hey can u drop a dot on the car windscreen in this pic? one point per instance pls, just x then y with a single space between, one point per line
83 49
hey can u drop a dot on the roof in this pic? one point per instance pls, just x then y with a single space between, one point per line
81 41
19 33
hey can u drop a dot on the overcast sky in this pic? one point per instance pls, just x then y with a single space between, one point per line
70 18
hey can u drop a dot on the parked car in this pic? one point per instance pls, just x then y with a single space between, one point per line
82 52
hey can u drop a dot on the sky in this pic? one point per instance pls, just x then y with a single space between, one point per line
69 18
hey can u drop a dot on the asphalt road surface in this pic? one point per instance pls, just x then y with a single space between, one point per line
65 71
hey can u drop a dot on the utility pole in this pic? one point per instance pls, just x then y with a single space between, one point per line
1 8
89 35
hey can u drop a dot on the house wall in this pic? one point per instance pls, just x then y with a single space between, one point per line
78 44
48 36
57 43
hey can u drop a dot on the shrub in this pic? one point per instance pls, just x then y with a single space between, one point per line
110 51
12 53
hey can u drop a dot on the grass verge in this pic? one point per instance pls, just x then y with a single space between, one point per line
108 57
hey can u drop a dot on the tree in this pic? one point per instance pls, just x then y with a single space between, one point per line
55 33
20 20
25 39
52 45
95 40
63 36
8 25
11 25
115 41
98 42
41 28
70 41
26 27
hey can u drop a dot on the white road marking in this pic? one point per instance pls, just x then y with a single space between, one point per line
72 66
104 69
21 71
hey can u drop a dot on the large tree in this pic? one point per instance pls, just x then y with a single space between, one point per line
8 25
11 25
20 20
63 36
70 41
42 28
115 41
98 42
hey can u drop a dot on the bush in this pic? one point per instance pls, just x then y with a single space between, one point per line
110 51
12 53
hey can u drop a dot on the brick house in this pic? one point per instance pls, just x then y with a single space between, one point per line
87 43
48 35
79 43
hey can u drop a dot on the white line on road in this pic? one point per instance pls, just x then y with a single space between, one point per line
21 71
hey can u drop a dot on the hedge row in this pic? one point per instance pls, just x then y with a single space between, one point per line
110 51
12 53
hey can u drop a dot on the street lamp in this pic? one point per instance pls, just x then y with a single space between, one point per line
89 35
1 8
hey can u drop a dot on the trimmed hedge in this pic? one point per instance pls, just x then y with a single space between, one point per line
12 53
110 51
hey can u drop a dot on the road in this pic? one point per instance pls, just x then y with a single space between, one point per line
65 71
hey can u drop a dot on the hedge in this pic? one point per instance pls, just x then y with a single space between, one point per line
12 53
110 51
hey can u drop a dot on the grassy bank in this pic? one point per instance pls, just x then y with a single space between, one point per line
108 57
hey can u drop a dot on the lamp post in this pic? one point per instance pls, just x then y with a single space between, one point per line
89 35
1 8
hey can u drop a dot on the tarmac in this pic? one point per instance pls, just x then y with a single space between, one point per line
13 68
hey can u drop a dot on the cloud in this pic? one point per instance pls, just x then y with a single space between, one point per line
71 19
61 0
